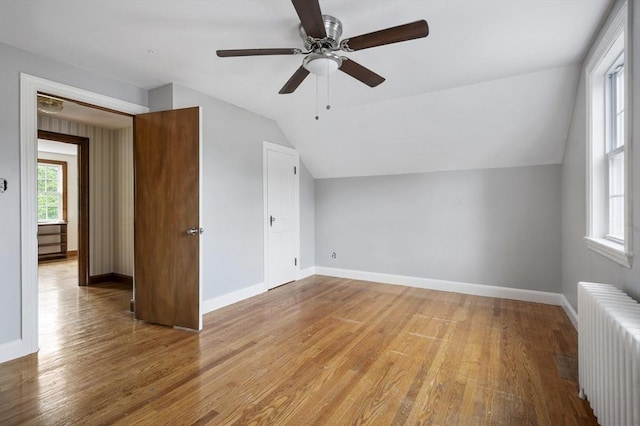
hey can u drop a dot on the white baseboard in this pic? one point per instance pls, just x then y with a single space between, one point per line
571 313
218 302
307 272
13 349
452 286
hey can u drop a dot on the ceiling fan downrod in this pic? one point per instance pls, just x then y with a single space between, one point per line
331 42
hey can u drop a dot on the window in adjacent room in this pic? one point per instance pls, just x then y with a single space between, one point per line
608 143
51 191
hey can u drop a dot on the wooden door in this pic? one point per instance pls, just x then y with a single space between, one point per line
281 198
167 218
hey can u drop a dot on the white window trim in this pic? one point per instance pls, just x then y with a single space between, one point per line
617 25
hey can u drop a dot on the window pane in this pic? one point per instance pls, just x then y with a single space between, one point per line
616 217
619 130
52 212
52 185
616 174
42 207
618 108
615 108
616 195
52 200
52 173
620 90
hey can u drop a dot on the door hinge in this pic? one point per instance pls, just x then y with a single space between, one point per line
295 261
295 170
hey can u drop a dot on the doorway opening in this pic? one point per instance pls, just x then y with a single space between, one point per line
66 234
30 86
103 140
84 203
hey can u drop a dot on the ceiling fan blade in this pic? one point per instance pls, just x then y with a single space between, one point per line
361 73
256 52
310 17
397 34
295 80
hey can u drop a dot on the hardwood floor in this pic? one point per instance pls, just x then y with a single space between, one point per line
318 351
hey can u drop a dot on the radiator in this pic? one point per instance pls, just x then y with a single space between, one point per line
609 353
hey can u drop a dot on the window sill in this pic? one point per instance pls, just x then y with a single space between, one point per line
610 250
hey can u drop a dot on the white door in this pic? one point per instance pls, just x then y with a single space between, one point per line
281 215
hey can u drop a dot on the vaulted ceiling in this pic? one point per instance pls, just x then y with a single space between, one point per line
493 84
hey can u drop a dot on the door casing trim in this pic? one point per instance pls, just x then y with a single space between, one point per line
82 144
29 88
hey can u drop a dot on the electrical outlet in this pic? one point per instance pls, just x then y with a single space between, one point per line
333 255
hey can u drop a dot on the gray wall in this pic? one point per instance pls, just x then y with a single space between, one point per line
578 262
12 62
307 218
497 227
232 189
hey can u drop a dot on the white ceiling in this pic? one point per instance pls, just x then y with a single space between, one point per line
492 85
94 116
57 147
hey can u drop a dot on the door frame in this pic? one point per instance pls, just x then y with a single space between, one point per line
29 88
83 195
269 146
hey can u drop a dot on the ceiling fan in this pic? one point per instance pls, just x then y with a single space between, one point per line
321 37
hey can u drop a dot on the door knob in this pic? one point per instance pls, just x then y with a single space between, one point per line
271 220
195 231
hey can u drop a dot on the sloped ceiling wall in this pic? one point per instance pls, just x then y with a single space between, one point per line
517 121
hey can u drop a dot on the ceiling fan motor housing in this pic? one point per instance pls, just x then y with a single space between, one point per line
333 28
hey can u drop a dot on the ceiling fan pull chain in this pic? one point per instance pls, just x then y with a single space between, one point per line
328 91
317 99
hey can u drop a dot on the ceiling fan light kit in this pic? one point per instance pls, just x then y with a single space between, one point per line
49 105
322 63
321 38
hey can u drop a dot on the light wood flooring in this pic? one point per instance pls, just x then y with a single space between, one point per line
322 351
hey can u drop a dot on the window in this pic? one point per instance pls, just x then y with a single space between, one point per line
615 151
51 191
608 168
